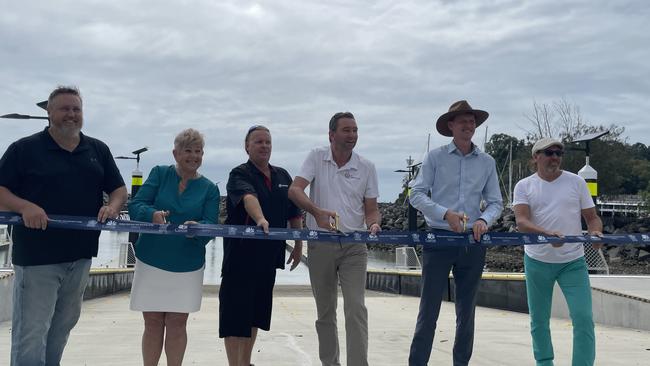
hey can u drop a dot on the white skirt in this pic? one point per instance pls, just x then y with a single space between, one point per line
155 289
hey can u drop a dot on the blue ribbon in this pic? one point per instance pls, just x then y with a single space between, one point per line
431 238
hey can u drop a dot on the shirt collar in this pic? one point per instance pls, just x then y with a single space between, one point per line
353 163
52 145
254 168
451 148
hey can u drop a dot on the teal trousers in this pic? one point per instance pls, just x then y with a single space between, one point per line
573 279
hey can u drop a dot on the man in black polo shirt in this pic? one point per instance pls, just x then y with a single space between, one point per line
257 195
58 171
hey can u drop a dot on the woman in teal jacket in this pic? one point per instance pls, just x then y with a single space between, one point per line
168 280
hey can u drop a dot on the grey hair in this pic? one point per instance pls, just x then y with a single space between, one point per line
187 138
63 89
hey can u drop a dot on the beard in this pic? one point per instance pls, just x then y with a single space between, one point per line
69 130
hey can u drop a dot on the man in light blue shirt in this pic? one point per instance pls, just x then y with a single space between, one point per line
458 177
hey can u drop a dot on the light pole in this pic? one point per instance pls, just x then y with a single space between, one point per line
136 183
136 175
589 174
412 212
42 104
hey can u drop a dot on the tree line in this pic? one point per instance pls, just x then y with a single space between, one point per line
623 167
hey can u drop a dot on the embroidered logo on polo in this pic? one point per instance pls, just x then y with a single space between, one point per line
283 186
348 175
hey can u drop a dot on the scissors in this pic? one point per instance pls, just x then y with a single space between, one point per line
165 214
464 219
335 226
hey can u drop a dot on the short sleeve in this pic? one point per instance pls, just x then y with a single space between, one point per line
292 209
308 169
239 184
112 177
9 168
520 196
585 196
372 188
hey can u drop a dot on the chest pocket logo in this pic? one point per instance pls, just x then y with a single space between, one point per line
350 175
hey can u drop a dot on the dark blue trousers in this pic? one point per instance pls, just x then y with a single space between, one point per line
466 265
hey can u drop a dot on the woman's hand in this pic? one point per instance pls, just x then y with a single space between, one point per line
160 217
190 223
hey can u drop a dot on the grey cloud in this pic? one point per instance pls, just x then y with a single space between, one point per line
148 69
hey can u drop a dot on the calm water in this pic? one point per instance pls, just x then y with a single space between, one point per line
109 254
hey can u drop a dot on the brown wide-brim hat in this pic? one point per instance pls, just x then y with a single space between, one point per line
460 107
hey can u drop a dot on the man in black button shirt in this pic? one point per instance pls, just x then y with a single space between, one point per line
58 171
257 195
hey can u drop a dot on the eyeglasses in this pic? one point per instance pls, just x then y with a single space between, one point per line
557 153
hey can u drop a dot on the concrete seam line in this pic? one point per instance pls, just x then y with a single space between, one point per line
632 297
293 345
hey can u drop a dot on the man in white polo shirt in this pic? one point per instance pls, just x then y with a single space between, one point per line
344 184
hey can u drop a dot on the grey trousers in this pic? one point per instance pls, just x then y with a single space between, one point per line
466 265
329 265
47 305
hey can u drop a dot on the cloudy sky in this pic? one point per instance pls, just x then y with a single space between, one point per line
148 69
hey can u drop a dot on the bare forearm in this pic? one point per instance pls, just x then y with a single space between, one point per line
527 226
373 217
300 198
595 224
296 223
117 198
11 202
253 208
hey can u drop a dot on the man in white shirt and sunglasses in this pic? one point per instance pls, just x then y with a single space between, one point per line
551 202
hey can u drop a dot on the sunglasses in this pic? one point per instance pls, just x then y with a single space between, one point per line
557 153
255 128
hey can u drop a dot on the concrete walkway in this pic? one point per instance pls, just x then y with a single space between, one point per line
636 286
109 334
